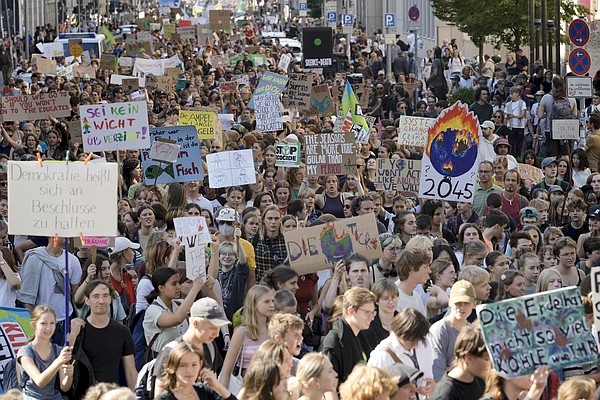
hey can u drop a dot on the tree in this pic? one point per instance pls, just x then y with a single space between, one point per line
503 22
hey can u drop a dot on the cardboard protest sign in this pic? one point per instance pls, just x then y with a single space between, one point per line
130 85
108 61
187 32
228 87
15 331
173 72
287 154
203 121
268 114
220 61
548 328
115 126
595 275
399 175
35 106
188 165
530 172
231 168
330 154
219 20
168 30
320 100
135 49
450 159
193 233
270 83
567 129
70 198
79 71
413 130
125 61
74 128
162 82
299 90
321 247
44 65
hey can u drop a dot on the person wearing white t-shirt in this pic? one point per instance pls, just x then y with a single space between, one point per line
10 281
515 114
413 269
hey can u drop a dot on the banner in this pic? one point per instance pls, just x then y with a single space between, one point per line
398 175
64 199
320 100
527 332
330 154
14 333
35 106
321 247
287 154
450 159
230 168
413 130
202 120
189 161
299 91
268 114
115 126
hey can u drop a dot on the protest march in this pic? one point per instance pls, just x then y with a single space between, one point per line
221 201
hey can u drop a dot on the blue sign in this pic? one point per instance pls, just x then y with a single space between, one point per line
331 17
303 6
347 19
580 61
189 163
389 20
414 13
579 32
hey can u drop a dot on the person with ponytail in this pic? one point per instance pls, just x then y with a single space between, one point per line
166 319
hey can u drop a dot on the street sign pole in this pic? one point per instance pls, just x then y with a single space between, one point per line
388 21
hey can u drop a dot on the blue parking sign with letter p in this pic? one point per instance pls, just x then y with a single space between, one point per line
331 17
347 19
389 20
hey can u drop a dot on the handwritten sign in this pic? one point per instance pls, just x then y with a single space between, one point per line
162 82
268 114
530 172
270 83
35 106
284 62
94 241
398 175
330 154
320 247
65 199
226 120
595 275
567 129
164 150
108 61
192 226
115 126
299 90
413 130
187 32
320 100
548 328
202 120
43 65
287 154
228 87
168 30
193 233
15 331
220 61
74 128
188 165
231 168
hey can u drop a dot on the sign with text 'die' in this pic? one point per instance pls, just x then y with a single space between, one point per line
64 199
548 328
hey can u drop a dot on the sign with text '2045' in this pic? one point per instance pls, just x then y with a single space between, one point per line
115 126
449 167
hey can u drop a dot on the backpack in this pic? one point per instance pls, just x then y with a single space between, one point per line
561 109
144 386
12 376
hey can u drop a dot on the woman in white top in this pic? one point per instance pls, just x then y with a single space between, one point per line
10 281
456 64
515 113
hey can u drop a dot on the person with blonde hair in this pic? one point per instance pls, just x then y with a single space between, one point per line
264 381
368 383
315 376
549 279
577 389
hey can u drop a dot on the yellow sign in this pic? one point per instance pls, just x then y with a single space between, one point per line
203 121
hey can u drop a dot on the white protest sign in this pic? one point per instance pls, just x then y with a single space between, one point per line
193 233
164 150
115 126
227 121
64 199
595 275
449 164
284 62
299 90
192 227
125 61
565 129
413 130
268 115
195 261
231 168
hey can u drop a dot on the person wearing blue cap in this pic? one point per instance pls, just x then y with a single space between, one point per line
550 170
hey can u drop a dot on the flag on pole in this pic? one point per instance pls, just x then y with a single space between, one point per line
350 106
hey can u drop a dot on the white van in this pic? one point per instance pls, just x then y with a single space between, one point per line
95 43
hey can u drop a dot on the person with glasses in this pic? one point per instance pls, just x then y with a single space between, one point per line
484 186
342 345
385 266
445 332
386 293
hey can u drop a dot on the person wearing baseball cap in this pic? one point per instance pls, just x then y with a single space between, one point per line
407 380
488 137
445 331
207 319
228 223
550 170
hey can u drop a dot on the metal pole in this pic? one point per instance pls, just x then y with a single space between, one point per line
4 7
544 34
417 66
531 33
388 47
26 18
557 35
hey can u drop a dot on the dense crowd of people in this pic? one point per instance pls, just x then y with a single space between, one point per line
402 326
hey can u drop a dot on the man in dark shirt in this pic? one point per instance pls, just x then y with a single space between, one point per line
466 381
106 343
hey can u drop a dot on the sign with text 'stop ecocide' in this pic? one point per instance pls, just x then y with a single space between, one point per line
548 328
64 199
115 126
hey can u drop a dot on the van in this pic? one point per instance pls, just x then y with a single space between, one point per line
95 43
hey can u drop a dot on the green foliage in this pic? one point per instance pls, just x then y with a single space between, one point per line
502 22
315 7
464 95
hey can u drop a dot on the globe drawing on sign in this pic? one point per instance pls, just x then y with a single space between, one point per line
453 141
335 247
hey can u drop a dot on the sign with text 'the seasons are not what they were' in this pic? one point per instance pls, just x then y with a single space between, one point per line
64 199
115 126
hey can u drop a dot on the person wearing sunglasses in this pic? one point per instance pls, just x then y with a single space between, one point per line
385 266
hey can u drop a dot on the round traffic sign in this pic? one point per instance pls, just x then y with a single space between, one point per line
580 61
414 13
579 32
76 50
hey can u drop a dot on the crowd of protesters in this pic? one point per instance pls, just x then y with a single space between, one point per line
402 326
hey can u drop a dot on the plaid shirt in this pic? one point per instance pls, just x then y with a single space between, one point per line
269 253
